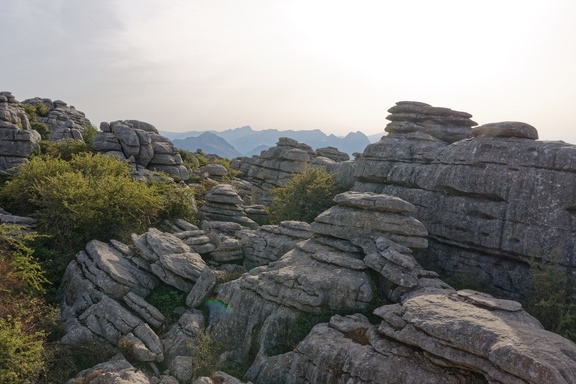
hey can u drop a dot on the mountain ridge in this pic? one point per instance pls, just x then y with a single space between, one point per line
248 141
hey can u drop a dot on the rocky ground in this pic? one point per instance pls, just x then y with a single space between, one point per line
354 296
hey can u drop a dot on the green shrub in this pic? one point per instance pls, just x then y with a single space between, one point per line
25 319
64 150
21 353
205 360
41 128
178 200
305 196
166 299
89 197
553 301
88 134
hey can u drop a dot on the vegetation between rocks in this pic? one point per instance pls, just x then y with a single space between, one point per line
306 195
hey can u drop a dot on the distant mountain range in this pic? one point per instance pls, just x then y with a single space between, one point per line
245 141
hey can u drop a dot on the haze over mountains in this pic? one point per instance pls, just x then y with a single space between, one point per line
244 141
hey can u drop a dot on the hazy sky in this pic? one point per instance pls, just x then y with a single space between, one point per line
291 64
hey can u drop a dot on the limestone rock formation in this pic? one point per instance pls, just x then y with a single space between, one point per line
270 242
493 337
441 123
490 203
349 349
141 143
329 272
17 139
64 122
116 371
332 153
274 167
170 259
223 203
214 171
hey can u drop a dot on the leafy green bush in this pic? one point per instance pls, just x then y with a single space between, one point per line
89 197
305 196
553 301
41 128
64 150
88 134
25 318
166 298
21 353
205 360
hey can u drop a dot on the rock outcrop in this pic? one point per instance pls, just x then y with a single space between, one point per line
274 167
491 203
141 143
64 122
270 242
17 139
223 203
441 123
332 153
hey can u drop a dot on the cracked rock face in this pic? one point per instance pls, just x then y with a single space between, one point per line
223 203
274 167
441 123
350 349
17 139
489 203
64 122
140 142
487 335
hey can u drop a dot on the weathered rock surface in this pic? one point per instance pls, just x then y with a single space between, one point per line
490 203
270 242
116 371
506 129
139 141
332 153
223 203
350 350
170 259
274 167
441 123
64 122
472 330
17 139
214 171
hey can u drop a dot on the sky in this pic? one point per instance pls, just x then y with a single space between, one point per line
332 65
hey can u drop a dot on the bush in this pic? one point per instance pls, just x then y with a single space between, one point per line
205 360
89 197
64 150
166 299
24 316
21 353
305 196
88 134
553 301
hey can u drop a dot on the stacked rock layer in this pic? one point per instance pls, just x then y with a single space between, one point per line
441 123
490 203
64 122
140 142
17 139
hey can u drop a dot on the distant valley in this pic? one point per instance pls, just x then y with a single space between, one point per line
245 141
